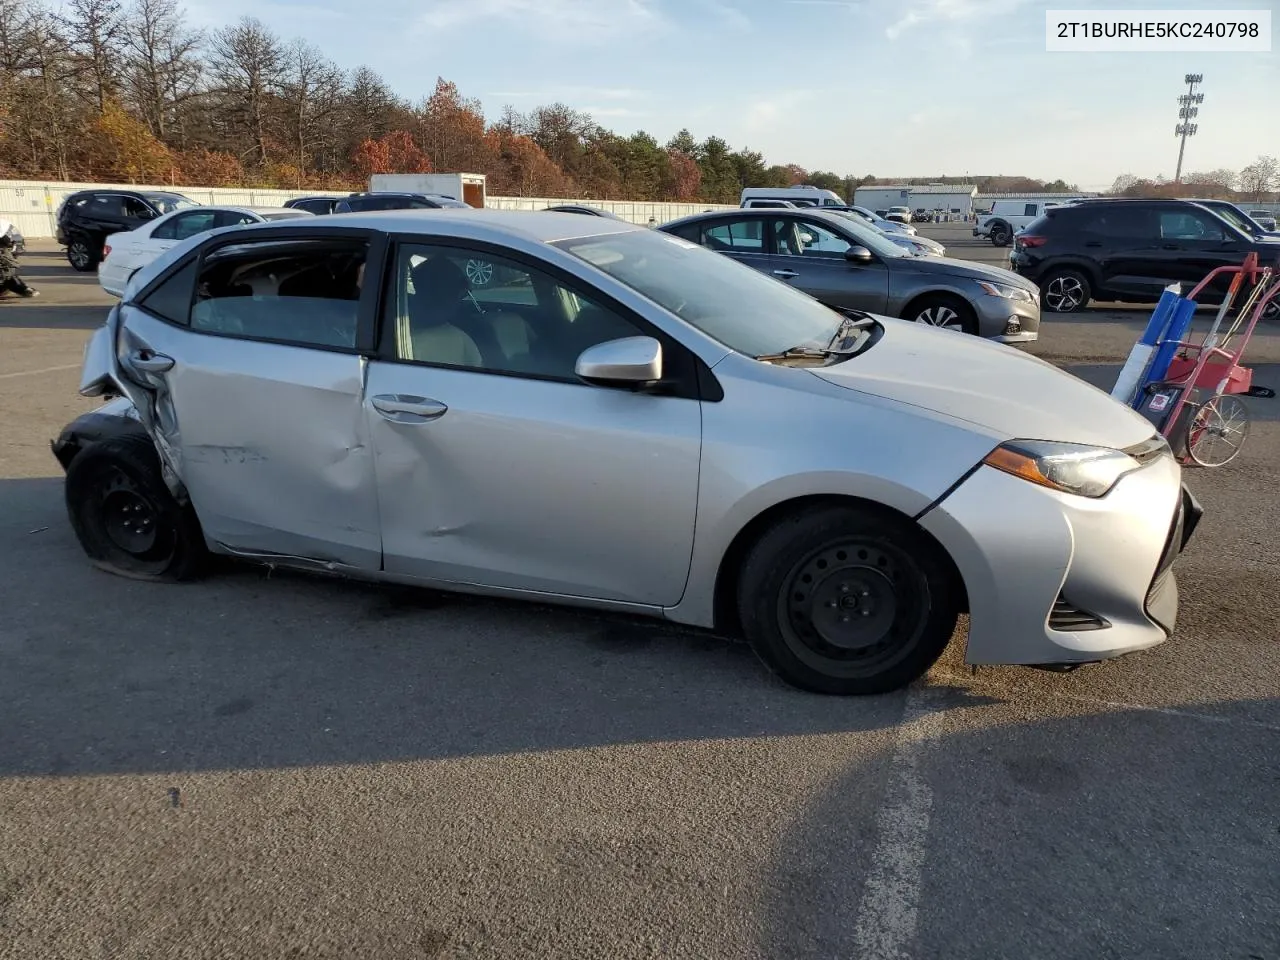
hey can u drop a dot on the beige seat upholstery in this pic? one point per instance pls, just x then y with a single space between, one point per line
438 288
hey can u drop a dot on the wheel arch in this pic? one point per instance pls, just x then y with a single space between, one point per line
940 291
729 571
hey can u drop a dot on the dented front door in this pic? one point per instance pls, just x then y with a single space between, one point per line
268 439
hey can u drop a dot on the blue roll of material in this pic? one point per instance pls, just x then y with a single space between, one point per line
1133 375
1175 332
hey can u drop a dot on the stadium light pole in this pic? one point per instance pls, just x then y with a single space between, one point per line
1188 108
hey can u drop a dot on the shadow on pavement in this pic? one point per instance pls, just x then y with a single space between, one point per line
248 669
1103 376
1132 834
39 314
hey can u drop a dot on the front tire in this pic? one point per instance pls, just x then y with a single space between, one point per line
1001 234
124 516
943 311
847 601
1065 291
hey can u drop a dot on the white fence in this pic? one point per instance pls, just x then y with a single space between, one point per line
31 204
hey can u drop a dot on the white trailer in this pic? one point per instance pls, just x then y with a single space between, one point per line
467 187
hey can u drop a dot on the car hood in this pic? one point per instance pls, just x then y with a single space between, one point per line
949 266
1002 389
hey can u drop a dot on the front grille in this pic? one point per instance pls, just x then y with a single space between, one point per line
1069 618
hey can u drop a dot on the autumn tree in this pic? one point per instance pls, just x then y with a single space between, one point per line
1260 177
561 132
453 131
247 65
162 69
119 146
208 168
394 153
95 30
310 93
686 177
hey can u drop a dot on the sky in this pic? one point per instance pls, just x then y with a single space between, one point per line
890 88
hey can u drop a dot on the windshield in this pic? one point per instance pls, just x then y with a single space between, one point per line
1234 217
859 218
870 236
169 202
734 304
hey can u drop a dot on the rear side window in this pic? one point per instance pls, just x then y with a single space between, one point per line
1120 222
318 207
1031 210
301 292
171 300
380 203
742 236
185 225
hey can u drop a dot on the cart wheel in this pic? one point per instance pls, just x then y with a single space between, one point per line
1217 431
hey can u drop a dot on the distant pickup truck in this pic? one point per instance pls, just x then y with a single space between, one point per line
1007 217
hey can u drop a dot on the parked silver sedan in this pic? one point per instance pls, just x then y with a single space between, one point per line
626 421
849 264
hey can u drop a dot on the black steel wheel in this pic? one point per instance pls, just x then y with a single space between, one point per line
82 256
848 600
1001 234
124 516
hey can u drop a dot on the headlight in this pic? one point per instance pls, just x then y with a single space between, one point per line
1077 468
1006 291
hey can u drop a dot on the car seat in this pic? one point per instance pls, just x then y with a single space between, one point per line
435 315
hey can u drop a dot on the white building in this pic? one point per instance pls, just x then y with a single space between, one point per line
953 198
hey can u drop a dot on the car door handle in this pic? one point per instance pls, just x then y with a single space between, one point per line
1169 246
1093 243
786 274
401 408
150 362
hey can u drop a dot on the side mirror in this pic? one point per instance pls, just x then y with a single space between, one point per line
630 361
858 254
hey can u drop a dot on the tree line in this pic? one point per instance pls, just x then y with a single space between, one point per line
1257 182
104 90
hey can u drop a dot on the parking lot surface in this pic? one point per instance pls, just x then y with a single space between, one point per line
270 765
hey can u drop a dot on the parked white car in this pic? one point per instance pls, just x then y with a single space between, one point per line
1007 217
130 251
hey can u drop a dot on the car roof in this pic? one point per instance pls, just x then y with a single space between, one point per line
539 226
738 213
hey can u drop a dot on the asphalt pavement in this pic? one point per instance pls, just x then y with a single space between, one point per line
269 765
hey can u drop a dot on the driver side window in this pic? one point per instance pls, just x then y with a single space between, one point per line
465 308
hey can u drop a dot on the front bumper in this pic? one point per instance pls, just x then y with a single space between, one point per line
1055 579
1007 321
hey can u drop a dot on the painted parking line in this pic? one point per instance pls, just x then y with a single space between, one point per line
32 373
890 905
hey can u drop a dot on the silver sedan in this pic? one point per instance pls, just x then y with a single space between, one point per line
625 421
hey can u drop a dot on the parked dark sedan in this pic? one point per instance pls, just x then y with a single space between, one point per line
320 206
848 264
1130 250
584 209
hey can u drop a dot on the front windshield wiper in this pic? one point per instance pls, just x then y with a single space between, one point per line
850 336
850 333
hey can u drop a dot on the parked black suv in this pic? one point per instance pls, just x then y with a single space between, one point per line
1130 250
362 202
317 205
86 218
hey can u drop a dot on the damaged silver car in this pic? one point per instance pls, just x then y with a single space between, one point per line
621 419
